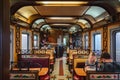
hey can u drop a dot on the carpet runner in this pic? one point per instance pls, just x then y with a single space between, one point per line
61 70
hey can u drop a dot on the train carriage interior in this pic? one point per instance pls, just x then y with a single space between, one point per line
60 40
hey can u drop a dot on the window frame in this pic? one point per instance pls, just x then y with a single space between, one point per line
28 40
37 46
113 42
86 41
11 44
94 40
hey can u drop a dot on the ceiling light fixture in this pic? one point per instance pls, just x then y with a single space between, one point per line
63 18
61 3
60 24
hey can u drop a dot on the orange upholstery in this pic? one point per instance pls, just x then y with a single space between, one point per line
79 61
80 72
43 71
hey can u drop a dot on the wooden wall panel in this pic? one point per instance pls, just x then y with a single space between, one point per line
4 39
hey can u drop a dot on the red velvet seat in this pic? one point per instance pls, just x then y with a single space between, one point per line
45 77
39 59
75 77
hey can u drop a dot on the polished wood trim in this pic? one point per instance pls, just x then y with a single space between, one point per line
4 40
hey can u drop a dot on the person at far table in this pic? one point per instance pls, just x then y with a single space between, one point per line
106 63
91 61
44 46
105 57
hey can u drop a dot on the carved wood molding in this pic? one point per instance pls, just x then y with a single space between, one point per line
105 38
17 31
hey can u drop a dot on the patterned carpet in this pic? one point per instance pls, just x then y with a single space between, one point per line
61 71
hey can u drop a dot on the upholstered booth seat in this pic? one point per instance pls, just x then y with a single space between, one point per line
117 67
44 77
37 62
79 63
43 74
75 77
78 67
80 72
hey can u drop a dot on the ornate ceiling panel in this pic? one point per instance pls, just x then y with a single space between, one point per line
27 11
82 13
61 10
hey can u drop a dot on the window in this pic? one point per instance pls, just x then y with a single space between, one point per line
25 41
11 45
64 41
97 42
117 46
86 41
36 41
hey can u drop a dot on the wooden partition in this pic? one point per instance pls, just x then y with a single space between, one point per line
52 58
77 53
45 51
79 59
35 58
70 58
37 62
49 52
105 71
24 75
93 75
39 51
78 66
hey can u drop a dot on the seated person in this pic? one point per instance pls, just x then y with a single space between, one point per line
45 46
117 66
90 63
106 63
105 57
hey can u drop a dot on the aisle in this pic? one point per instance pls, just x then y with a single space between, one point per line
61 69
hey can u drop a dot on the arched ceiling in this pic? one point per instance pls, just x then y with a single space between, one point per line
64 14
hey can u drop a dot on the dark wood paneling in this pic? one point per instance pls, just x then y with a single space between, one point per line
1 39
89 42
4 40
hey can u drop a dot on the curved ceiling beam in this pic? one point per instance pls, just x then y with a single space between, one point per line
77 26
40 25
81 25
90 18
34 17
108 6
19 4
89 21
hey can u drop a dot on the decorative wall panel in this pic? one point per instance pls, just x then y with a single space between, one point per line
103 76
17 39
89 40
105 38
